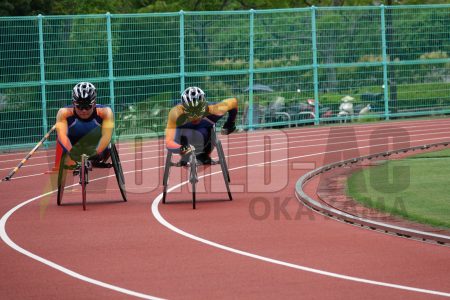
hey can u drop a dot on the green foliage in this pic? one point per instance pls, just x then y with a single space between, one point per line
216 5
434 55
25 7
147 46
70 7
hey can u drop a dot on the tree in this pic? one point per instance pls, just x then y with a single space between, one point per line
24 7
217 5
66 7
70 7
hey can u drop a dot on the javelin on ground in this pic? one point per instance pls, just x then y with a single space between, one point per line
13 171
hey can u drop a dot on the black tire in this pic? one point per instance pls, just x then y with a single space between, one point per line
224 166
223 160
117 166
193 196
62 173
193 177
167 166
83 181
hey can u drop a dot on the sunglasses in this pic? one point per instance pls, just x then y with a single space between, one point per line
84 106
194 116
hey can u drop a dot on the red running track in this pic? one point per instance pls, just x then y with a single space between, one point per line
262 245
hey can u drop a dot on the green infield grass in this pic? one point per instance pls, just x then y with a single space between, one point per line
416 188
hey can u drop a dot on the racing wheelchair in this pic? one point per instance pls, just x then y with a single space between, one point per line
192 166
82 169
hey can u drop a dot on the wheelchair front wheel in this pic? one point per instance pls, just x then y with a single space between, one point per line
83 179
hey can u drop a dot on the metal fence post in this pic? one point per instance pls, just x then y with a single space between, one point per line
110 61
42 74
385 62
315 65
182 72
250 71
110 67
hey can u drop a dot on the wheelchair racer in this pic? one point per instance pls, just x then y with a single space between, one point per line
191 123
85 127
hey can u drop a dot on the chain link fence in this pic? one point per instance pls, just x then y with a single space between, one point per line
287 67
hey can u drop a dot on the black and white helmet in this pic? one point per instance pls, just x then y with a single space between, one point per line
194 102
84 93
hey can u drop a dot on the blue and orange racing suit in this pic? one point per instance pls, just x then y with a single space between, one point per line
85 136
180 131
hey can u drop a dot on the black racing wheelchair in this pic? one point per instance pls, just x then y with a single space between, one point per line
82 169
192 166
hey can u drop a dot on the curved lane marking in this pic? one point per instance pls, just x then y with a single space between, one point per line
293 133
253 146
4 236
164 222
53 265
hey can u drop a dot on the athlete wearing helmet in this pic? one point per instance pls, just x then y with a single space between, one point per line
85 127
191 122
194 103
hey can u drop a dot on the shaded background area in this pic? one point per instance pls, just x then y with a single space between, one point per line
394 58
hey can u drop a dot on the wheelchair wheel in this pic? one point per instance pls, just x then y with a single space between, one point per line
224 166
167 166
62 174
223 161
117 166
83 180
193 177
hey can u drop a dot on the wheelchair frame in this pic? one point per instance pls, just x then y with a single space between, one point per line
83 169
192 165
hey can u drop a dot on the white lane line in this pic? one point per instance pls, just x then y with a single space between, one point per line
4 236
53 265
164 222
273 144
283 138
298 132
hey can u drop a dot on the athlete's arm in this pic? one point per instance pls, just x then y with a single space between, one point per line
226 106
62 128
107 128
171 128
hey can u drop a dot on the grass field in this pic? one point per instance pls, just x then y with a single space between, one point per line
416 188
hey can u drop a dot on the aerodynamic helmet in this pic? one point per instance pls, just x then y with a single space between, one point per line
84 94
194 102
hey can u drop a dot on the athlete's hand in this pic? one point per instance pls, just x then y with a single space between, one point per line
184 150
228 128
74 156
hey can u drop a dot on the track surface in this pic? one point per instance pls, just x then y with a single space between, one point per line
262 245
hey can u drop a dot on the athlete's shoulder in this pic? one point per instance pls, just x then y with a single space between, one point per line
176 111
177 108
103 108
103 111
65 112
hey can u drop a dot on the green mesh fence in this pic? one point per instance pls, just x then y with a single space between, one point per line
287 67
